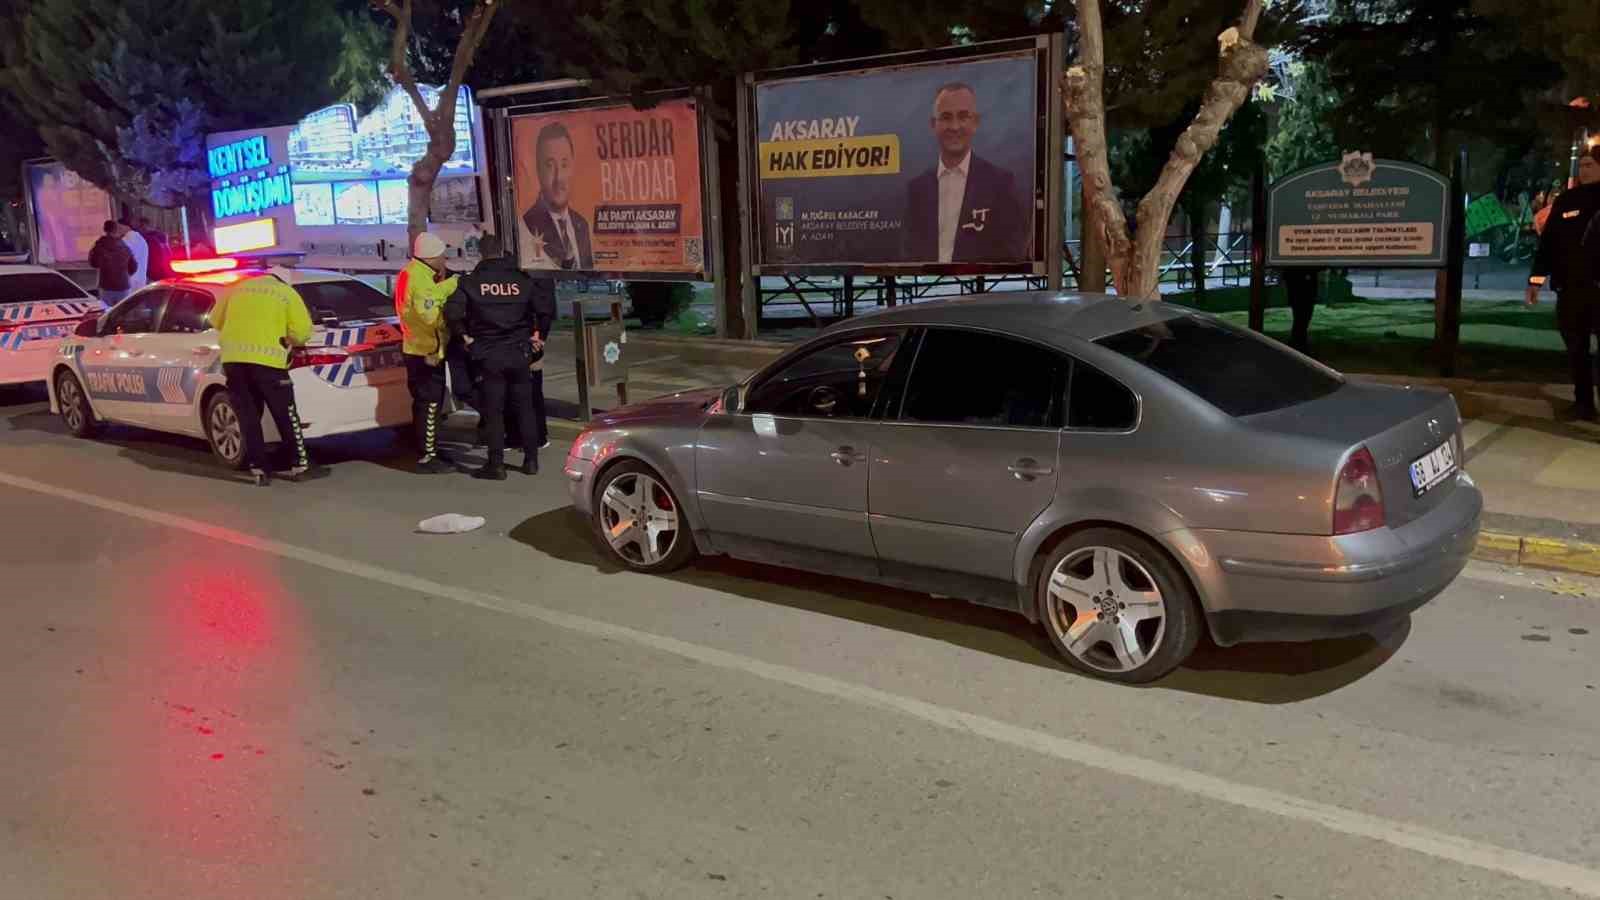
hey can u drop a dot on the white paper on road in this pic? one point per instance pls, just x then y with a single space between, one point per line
450 523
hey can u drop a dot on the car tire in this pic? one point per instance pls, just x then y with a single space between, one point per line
1116 606
76 413
223 430
631 504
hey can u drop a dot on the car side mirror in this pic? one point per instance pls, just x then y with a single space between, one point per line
731 399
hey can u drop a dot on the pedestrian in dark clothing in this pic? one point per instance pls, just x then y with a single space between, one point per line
1301 287
1569 261
160 250
115 263
494 307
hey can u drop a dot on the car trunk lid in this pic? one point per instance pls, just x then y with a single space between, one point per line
1399 426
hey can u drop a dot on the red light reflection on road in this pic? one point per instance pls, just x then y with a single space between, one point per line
211 769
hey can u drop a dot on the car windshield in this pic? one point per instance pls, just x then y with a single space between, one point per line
38 287
1232 369
347 301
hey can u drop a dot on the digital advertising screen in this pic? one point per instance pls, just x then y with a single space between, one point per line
356 203
69 213
313 204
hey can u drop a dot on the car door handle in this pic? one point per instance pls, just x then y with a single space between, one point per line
1028 469
845 456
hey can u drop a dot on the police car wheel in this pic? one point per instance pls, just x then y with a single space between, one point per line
75 411
639 522
224 431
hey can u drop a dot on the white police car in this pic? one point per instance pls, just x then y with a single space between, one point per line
38 307
153 360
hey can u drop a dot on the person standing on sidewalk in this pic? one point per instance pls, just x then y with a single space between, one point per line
140 248
494 308
260 321
115 263
420 293
1569 261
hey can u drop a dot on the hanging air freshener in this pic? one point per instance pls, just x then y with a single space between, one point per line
862 355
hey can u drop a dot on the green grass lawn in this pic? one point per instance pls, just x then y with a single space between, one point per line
1500 341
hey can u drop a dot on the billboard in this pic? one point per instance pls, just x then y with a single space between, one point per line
610 189
69 213
915 165
1359 211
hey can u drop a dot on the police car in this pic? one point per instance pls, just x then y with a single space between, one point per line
38 307
153 360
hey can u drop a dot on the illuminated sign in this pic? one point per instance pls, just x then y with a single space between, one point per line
247 194
239 156
256 234
252 196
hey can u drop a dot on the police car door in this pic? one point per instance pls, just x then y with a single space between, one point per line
119 373
183 349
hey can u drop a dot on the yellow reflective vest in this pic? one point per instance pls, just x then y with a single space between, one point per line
255 317
419 302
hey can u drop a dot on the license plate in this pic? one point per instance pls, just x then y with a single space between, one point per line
1429 471
382 359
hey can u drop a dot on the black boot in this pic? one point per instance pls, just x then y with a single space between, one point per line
530 463
490 473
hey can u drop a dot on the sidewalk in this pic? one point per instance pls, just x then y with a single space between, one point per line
1540 476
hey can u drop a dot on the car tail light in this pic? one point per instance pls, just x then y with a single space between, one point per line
318 356
1358 499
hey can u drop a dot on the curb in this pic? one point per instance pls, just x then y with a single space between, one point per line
1577 557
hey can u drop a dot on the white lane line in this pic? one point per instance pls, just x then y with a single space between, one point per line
1527 866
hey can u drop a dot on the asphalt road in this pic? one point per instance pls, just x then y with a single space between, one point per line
212 690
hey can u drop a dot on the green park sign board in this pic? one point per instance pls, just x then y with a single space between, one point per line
1359 212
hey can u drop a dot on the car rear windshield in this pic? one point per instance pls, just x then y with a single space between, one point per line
1231 369
38 287
347 301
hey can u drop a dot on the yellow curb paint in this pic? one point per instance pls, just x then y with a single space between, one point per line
1565 556
1500 548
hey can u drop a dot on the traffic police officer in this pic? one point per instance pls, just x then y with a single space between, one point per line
495 308
1569 261
420 293
260 321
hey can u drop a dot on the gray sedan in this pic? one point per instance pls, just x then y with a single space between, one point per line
1126 475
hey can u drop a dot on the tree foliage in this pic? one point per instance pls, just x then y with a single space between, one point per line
1417 77
1303 135
83 70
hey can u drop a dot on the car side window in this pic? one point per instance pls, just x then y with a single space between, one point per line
839 380
1099 402
976 378
188 312
138 314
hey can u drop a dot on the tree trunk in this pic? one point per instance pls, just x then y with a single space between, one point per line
1136 261
440 122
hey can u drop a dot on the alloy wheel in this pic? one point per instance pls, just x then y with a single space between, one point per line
638 518
226 433
1106 609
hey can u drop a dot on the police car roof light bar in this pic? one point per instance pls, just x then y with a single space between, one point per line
202 266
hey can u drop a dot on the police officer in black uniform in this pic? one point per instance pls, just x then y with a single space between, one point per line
495 308
1569 261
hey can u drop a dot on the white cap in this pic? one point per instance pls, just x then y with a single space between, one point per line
427 246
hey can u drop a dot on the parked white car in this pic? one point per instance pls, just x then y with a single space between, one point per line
38 307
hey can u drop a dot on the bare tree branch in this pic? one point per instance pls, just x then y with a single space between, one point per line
399 67
1135 261
1086 112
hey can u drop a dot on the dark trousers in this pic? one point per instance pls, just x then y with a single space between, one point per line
427 399
506 382
513 423
1578 316
253 388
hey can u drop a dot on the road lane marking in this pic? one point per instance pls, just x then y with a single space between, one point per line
1440 845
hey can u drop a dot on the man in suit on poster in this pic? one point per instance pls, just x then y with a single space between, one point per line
558 230
964 208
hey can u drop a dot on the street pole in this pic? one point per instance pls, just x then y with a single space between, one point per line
1258 248
1447 314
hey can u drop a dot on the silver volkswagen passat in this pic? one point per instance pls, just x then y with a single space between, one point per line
1126 475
